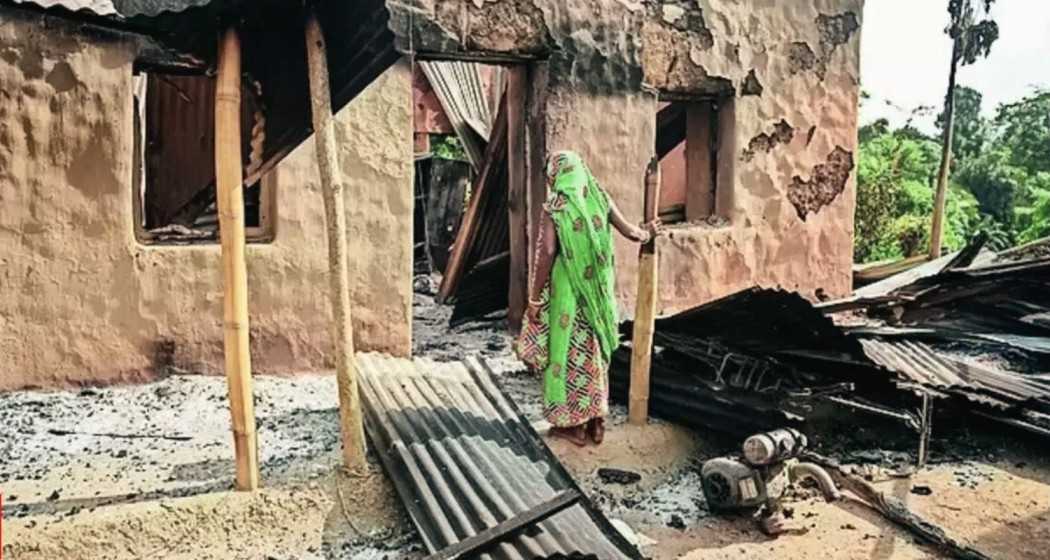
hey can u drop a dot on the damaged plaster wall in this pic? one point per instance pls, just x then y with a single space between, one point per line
84 302
793 69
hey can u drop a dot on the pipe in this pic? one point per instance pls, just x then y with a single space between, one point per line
827 486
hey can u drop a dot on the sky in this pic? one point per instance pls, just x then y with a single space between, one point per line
905 56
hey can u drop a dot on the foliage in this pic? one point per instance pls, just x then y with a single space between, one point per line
971 128
997 184
895 199
1025 130
1001 188
973 38
1038 219
447 146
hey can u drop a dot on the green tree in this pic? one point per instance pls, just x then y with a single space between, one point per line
895 173
1025 130
1038 218
997 185
971 129
971 40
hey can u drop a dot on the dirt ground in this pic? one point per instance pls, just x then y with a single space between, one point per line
74 487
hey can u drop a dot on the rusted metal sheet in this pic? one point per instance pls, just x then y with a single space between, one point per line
179 149
463 460
485 231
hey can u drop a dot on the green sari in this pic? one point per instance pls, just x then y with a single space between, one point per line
582 278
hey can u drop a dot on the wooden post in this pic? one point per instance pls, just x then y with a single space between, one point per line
645 307
230 198
335 225
516 196
925 430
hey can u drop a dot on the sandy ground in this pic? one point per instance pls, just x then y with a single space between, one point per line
70 492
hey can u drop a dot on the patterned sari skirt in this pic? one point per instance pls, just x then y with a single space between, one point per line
586 375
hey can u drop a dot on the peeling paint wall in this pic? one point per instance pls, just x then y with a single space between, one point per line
83 302
792 72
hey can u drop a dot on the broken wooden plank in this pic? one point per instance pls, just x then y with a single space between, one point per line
472 545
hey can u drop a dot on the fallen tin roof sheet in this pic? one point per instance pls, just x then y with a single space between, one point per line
761 322
463 460
922 364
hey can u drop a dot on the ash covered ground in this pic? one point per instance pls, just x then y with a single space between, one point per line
67 459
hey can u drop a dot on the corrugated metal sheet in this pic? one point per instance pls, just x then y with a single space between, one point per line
123 8
97 7
923 365
678 393
463 459
762 322
483 291
150 8
466 100
484 233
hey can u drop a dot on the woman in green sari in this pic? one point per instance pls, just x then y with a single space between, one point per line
571 326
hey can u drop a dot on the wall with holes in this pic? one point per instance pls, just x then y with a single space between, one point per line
791 70
81 301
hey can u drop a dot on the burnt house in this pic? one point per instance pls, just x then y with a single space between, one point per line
108 223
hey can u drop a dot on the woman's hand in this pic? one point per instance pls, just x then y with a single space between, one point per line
648 231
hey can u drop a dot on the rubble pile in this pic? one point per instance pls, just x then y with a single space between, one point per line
965 336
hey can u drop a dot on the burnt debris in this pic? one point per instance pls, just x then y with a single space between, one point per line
762 359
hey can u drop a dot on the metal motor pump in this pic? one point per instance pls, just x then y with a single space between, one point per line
759 479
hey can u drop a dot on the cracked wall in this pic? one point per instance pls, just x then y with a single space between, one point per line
786 65
83 302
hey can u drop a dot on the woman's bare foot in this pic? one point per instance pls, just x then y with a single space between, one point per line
574 434
596 429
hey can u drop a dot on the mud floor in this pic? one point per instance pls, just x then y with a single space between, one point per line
136 471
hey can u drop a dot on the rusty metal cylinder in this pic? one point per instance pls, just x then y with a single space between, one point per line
774 446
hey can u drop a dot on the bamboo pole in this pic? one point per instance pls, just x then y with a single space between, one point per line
230 198
332 187
645 307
